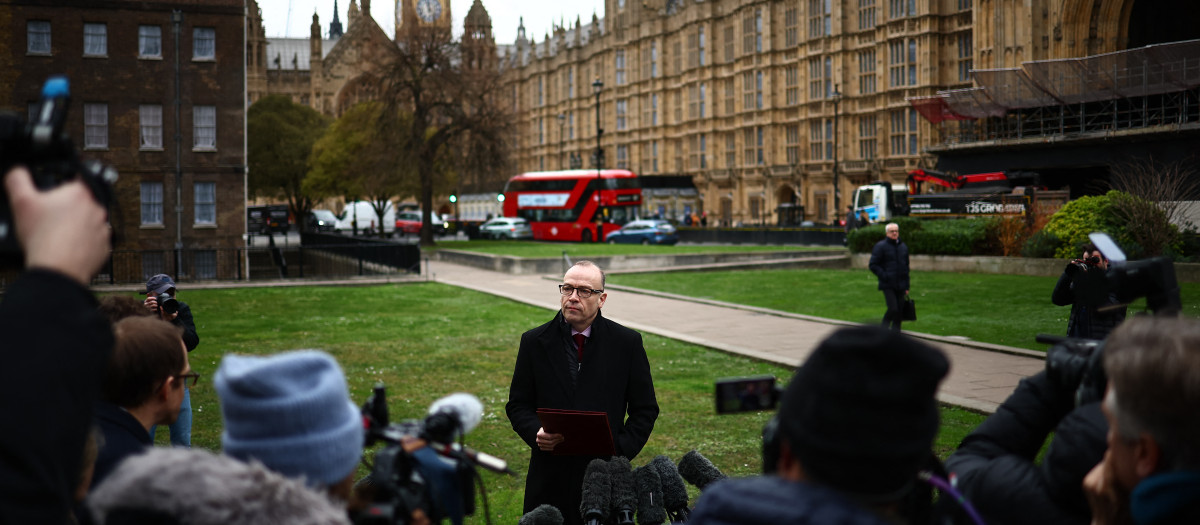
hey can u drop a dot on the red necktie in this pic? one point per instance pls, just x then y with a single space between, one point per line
579 338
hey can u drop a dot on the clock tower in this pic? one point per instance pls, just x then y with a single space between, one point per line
421 13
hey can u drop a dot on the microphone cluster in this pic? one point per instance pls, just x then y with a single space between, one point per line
616 493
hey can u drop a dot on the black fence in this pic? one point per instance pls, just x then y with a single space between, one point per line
828 236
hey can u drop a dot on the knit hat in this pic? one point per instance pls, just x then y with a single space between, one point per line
292 412
861 413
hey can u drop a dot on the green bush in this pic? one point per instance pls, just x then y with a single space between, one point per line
1042 244
927 237
863 239
1072 224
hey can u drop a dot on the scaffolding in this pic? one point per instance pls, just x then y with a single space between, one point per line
1156 85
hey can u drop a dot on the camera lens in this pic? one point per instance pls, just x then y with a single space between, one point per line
167 304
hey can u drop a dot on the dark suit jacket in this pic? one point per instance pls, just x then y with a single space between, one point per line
615 378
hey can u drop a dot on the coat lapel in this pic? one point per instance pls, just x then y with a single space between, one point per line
552 341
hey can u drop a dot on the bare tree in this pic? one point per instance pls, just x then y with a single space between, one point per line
1160 195
455 120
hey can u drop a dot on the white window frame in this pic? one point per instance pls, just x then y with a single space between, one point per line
150 42
150 124
95 126
204 197
204 128
37 37
204 43
95 40
151 199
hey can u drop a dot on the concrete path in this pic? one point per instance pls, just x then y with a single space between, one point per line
981 377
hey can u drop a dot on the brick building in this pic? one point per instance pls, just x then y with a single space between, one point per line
138 72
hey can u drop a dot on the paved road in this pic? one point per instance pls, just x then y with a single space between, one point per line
981 377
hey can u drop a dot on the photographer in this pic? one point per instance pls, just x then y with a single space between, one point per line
178 313
1083 286
855 426
54 342
995 466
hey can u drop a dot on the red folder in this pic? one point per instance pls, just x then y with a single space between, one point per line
585 433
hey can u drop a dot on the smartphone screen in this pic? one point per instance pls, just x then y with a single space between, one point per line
745 394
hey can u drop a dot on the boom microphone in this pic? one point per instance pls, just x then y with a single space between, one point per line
465 407
593 504
698 470
675 496
650 502
544 514
624 493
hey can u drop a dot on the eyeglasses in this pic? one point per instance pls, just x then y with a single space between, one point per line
189 379
584 293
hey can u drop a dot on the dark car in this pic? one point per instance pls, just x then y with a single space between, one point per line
644 232
322 221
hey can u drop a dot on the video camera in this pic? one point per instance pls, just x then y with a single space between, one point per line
421 466
42 146
1077 363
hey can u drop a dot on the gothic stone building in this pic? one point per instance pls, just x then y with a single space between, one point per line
773 102
179 204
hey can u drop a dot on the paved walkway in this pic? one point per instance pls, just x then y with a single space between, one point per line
981 376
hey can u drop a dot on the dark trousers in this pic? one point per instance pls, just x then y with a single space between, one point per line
895 309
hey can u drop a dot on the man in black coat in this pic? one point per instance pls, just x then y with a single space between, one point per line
889 262
54 341
609 372
1083 285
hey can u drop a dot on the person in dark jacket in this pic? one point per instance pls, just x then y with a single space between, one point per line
995 466
1151 472
181 429
54 341
1083 286
609 372
855 426
889 262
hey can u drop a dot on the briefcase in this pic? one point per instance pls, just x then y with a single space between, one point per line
910 309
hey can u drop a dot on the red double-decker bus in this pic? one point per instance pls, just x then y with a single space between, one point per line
574 205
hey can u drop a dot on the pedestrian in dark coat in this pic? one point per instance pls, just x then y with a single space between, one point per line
889 262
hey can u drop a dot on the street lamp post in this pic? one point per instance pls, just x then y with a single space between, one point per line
561 141
836 97
597 86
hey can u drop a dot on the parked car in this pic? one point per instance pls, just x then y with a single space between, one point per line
268 219
322 221
506 228
410 222
362 214
644 232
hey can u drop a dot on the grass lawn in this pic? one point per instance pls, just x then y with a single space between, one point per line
536 249
1002 309
427 340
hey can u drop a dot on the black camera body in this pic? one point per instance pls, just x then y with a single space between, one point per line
167 304
407 474
43 147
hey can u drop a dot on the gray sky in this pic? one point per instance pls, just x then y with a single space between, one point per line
539 15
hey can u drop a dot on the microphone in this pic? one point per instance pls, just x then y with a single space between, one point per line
650 503
466 409
675 496
593 505
486 461
698 470
624 492
544 514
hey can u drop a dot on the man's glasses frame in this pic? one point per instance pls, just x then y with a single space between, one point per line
189 379
566 290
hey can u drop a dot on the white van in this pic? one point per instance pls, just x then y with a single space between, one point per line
363 213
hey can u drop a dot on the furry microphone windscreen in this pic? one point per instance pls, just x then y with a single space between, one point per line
650 503
543 515
624 493
596 488
675 494
698 470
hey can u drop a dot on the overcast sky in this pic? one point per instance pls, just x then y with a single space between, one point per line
539 15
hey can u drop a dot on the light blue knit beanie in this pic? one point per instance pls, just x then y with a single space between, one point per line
292 412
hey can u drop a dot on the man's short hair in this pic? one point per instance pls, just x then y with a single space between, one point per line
117 307
148 350
591 264
1153 367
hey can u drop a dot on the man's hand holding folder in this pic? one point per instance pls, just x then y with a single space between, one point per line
575 433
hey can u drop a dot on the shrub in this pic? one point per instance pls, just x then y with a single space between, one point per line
948 237
1042 244
1072 224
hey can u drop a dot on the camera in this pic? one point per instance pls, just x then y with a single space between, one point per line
746 394
42 146
420 466
167 304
